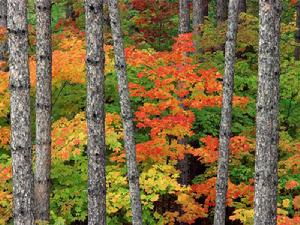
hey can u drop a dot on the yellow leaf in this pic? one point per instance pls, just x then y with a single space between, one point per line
155 198
286 203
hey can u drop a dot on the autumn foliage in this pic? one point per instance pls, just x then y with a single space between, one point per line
168 88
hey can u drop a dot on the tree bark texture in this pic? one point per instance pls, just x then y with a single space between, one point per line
243 6
222 10
198 13
43 110
205 2
183 166
3 13
95 112
120 66
184 17
297 33
226 114
267 135
3 24
199 7
20 143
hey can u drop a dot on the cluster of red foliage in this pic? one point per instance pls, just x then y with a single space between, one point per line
178 86
154 19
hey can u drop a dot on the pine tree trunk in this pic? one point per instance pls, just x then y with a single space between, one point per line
243 6
184 164
3 24
222 10
226 115
198 19
20 144
43 110
184 25
120 66
267 135
184 17
297 33
205 2
198 13
95 112
3 13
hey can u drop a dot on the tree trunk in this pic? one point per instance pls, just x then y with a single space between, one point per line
184 17
3 24
184 165
226 114
43 110
20 143
222 10
70 14
297 33
95 112
120 66
198 19
267 135
243 6
205 2
198 14
3 13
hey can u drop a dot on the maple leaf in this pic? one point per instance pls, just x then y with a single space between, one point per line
291 184
296 202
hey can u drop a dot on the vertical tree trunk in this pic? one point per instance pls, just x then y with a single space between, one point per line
205 2
184 165
243 6
95 112
198 19
20 113
222 10
3 13
129 141
184 26
198 13
226 114
267 135
69 10
43 110
184 17
3 24
297 33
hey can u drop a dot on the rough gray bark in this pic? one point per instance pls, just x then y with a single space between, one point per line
20 143
95 112
297 33
3 23
120 66
226 114
3 13
198 13
184 17
43 110
243 6
267 135
222 10
199 7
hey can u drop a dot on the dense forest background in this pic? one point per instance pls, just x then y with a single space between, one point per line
164 115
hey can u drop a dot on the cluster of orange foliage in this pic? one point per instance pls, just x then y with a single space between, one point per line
178 86
170 85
